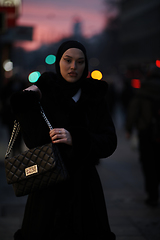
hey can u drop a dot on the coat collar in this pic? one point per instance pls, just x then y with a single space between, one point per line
94 90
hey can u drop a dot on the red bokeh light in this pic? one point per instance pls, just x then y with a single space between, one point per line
158 63
135 83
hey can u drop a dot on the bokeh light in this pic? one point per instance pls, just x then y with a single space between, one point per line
96 75
135 83
158 63
33 77
94 62
8 65
50 59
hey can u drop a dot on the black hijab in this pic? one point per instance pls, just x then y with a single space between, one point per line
69 89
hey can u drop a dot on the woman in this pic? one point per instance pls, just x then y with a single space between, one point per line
84 132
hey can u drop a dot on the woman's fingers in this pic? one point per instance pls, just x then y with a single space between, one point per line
35 89
60 135
56 131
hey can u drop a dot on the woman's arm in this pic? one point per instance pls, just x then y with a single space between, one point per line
99 139
25 107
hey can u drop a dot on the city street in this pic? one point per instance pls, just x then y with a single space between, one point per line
122 181
60 44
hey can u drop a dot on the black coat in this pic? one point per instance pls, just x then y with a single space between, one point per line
77 208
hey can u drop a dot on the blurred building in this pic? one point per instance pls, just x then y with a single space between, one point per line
77 29
10 33
140 31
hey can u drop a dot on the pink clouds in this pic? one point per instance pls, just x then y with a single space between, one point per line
52 21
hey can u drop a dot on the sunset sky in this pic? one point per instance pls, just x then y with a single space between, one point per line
54 19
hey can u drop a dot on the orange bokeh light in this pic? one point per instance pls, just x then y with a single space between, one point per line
96 75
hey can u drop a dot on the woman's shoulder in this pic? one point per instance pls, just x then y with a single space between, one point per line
95 88
45 80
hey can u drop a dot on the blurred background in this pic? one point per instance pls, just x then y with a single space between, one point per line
122 38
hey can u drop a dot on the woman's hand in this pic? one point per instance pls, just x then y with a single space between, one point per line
60 135
35 89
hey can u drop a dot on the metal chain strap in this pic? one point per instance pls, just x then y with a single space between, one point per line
45 118
16 130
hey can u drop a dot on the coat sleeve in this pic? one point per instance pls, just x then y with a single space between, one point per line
98 140
25 107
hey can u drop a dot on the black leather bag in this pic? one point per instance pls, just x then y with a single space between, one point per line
36 168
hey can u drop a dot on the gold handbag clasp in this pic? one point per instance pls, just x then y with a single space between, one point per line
31 170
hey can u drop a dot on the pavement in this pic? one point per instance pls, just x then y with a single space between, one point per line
122 180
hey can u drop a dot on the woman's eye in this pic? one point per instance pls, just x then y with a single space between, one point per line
81 62
68 60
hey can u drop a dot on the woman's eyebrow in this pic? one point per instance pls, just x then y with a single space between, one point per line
67 56
72 57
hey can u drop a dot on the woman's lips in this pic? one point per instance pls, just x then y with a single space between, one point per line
73 74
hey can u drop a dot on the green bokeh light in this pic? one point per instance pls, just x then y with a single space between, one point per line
50 59
33 77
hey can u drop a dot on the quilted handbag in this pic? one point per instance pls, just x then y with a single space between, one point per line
36 168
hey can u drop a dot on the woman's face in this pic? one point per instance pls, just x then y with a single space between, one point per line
72 64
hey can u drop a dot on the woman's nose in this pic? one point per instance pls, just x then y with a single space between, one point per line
73 65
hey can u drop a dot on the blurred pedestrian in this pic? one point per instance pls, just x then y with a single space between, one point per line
144 115
12 85
83 132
